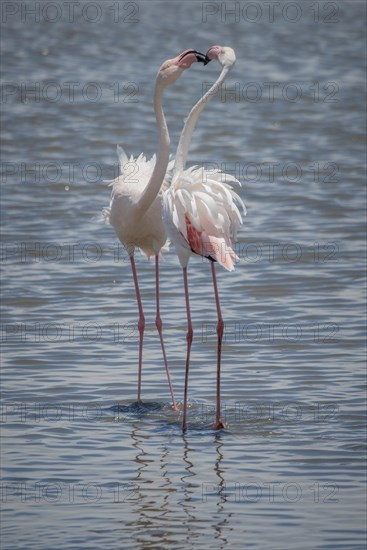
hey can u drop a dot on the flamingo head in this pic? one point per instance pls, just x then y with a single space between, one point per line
172 69
223 54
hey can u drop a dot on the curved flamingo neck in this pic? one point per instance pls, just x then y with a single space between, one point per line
156 179
185 138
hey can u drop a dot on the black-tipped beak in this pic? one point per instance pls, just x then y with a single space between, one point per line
201 57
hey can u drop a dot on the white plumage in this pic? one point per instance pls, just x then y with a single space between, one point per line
146 231
201 212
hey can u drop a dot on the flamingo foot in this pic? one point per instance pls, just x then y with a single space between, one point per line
218 424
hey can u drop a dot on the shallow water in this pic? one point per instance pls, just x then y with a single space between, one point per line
84 466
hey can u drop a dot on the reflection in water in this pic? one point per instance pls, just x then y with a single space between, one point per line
220 519
189 489
157 505
152 509
167 485
222 496
140 520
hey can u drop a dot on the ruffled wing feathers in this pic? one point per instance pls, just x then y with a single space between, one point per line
206 211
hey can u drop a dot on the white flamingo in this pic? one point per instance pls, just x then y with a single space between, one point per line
201 217
135 209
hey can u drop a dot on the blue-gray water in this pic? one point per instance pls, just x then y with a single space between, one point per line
82 468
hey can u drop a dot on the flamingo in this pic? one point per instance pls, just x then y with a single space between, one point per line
201 214
135 209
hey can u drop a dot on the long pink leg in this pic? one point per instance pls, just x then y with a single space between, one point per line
218 424
141 323
189 336
158 324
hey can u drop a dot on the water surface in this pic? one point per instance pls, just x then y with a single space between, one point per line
83 467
